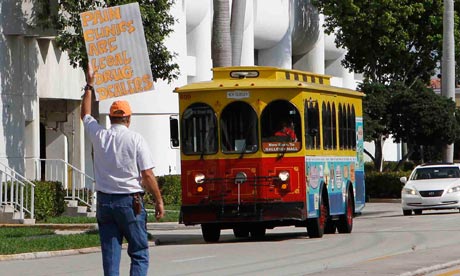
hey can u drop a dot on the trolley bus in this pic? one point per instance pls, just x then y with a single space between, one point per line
263 147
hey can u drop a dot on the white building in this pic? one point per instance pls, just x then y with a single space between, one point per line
41 92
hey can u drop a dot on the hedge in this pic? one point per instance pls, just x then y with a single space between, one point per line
49 199
170 187
384 185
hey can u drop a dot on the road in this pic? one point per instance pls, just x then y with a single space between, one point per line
383 242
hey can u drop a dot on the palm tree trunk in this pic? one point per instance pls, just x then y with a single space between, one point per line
221 40
237 30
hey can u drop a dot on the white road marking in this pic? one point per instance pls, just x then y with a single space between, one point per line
192 259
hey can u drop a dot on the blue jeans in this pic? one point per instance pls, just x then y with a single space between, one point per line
116 219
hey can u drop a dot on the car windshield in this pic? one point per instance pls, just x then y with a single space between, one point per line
436 172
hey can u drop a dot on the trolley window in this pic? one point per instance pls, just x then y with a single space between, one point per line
281 127
238 124
199 125
312 135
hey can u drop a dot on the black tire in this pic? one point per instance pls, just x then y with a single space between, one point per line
241 232
316 226
407 212
211 232
418 212
330 227
345 222
258 232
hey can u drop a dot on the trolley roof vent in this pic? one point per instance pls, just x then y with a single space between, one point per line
244 74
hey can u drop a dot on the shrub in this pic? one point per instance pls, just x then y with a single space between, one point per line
171 190
384 185
49 199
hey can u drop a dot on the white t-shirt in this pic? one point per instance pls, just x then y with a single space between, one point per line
119 157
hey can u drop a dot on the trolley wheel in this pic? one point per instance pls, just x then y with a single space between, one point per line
330 227
407 212
241 232
316 226
345 223
258 232
211 232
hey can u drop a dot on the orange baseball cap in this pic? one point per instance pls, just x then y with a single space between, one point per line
120 109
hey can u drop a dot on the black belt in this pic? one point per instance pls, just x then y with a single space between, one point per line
132 194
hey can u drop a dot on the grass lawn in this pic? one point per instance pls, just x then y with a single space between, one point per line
15 240
172 215
25 239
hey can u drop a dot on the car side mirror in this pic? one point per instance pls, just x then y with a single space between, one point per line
403 179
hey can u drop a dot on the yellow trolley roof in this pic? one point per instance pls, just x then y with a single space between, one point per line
263 77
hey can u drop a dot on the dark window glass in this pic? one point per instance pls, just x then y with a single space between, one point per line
238 128
352 128
312 135
281 127
333 128
342 131
326 126
199 130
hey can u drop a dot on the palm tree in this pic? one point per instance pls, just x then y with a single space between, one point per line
221 44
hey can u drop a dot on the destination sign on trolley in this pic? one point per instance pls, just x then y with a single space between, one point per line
281 146
237 94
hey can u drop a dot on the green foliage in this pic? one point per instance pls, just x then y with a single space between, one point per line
171 190
155 17
375 105
384 185
395 40
421 117
49 199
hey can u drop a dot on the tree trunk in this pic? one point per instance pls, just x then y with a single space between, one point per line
405 157
221 40
237 30
378 161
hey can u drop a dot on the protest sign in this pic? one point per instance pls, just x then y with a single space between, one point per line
117 51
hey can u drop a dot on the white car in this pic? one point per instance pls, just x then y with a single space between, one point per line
431 186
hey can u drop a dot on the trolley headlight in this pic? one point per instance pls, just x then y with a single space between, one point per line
283 176
199 178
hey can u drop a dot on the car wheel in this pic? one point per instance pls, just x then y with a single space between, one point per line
211 232
407 212
418 212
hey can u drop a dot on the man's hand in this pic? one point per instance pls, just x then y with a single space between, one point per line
87 97
159 210
150 184
90 74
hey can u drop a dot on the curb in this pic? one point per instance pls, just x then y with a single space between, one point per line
384 200
58 253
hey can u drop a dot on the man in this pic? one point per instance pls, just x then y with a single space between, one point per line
123 169
286 131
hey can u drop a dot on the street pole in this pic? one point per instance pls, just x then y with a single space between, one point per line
448 65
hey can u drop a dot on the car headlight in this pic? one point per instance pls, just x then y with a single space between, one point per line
454 189
409 191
